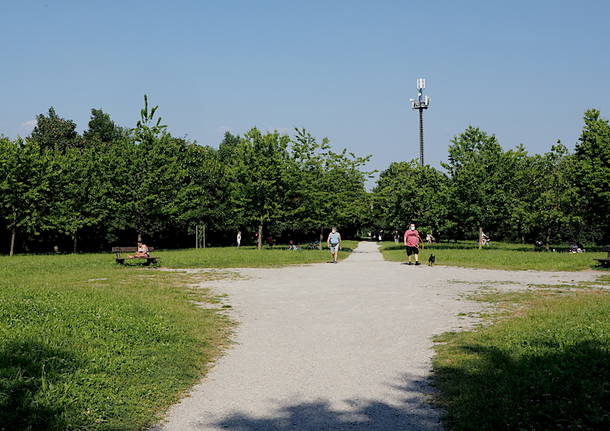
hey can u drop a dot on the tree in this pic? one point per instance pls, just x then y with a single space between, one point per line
153 163
327 187
408 192
476 169
54 132
226 149
23 187
81 190
592 162
259 178
552 196
147 130
102 128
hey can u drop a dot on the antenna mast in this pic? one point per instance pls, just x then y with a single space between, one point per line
422 102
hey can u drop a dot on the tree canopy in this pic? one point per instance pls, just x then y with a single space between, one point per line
113 184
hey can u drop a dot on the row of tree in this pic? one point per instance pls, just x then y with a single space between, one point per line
61 189
110 185
510 194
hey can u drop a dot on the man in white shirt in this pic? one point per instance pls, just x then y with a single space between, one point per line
334 243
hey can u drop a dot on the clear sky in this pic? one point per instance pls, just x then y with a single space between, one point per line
524 70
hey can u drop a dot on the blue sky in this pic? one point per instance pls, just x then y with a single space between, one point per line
524 70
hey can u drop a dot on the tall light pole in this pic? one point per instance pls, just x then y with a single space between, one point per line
422 102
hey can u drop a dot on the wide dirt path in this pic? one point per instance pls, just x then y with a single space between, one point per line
337 347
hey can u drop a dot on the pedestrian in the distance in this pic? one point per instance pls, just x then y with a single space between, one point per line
238 238
334 243
412 240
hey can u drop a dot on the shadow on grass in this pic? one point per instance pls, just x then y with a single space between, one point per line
28 368
412 413
544 390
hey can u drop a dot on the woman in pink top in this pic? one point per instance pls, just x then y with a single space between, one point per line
412 239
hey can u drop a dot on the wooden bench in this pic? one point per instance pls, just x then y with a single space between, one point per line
121 260
606 261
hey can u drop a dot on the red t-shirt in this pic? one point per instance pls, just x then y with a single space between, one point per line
411 238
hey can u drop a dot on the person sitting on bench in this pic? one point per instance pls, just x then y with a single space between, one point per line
142 251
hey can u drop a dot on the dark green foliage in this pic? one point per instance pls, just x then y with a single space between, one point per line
407 192
102 128
24 188
592 174
54 132
114 184
478 170
508 194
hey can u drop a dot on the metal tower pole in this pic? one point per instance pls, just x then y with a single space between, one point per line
422 102
421 136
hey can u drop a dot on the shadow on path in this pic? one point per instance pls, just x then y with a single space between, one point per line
412 414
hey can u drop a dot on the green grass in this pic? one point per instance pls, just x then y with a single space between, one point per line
544 363
497 256
245 257
86 344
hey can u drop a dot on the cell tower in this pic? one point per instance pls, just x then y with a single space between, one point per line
422 102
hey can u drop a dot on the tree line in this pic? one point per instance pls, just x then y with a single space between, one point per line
110 185
553 197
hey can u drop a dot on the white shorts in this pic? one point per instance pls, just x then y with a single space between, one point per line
334 248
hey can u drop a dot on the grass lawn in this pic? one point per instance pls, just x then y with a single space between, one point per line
247 256
86 344
497 256
543 364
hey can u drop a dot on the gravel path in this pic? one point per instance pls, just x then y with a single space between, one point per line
337 347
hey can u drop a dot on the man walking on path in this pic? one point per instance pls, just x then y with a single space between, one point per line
334 242
412 239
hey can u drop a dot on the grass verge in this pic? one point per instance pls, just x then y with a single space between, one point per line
543 363
88 345
247 257
497 256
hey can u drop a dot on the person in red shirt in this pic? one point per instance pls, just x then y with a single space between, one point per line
412 240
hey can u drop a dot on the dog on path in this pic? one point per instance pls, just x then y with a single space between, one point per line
431 260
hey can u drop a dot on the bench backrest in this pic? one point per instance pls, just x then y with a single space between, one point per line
128 249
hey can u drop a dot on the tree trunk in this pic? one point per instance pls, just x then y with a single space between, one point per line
13 235
547 241
74 243
321 238
259 242
139 236
203 245
480 237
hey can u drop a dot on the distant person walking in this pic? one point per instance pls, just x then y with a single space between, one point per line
334 243
412 240
238 238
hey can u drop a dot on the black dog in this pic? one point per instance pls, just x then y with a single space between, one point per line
431 260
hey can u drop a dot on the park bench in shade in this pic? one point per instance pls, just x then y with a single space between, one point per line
605 262
121 260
